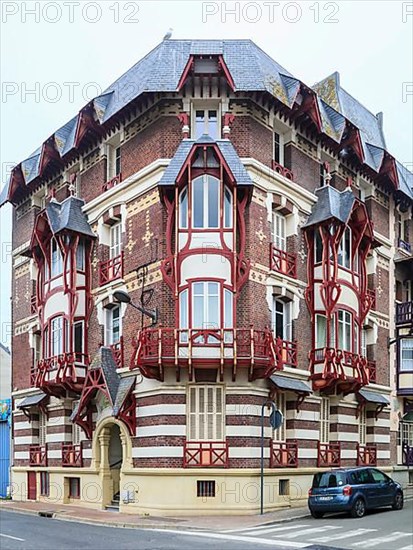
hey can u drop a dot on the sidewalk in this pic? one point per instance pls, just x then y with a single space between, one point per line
116 519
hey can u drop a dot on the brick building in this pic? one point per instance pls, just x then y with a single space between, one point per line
209 236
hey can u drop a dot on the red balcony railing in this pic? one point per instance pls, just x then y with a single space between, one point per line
371 365
331 365
112 183
404 245
282 170
157 349
329 454
117 350
284 455
33 305
404 313
38 455
206 454
110 270
366 455
372 293
67 370
283 262
72 455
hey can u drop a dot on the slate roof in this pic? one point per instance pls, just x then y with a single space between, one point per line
32 400
104 360
331 203
68 215
292 384
374 397
251 70
226 148
125 385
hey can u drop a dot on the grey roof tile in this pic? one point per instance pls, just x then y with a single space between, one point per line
32 400
374 397
125 386
104 360
68 215
331 203
292 384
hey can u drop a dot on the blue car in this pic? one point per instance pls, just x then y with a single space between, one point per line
353 490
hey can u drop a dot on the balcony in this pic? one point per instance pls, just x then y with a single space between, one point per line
63 372
112 183
257 350
404 313
282 170
366 455
72 455
204 454
405 246
331 367
33 305
283 262
328 455
117 350
110 270
284 455
38 455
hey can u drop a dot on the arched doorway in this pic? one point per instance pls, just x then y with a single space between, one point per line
115 459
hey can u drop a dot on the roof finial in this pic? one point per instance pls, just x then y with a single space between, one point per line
168 34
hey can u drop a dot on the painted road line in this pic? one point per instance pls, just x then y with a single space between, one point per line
223 536
10 537
306 532
369 543
346 535
262 531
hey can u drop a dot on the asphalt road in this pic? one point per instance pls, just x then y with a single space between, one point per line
379 530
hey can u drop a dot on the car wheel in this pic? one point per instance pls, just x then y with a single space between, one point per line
317 515
359 509
398 501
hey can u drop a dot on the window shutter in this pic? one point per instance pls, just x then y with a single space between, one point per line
42 428
362 426
325 420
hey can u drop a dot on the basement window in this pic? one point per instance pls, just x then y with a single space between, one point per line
284 487
205 488
74 487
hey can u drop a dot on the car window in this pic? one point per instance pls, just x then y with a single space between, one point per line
378 476
360 477
329 479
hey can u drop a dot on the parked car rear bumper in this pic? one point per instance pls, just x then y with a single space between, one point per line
340 503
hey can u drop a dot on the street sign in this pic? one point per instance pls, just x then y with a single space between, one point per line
276 419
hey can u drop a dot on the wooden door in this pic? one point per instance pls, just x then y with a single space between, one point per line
31 486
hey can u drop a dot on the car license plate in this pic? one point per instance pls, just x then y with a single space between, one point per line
326 498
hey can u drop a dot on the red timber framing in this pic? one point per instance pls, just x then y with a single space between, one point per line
283 262
342 370
110 270
66 371
222 70
284 454
366 455
38 455
117 350
204 454
328 454
72 455
282 170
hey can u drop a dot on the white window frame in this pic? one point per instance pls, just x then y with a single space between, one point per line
325 420
115 239
363 342
56 259
206 413
205 178
207 125
279 230
206 295
42 427
183 208
76 432
345 249
363 426
344 322
406 348
109 325
56 336
280 435
283 312
326 344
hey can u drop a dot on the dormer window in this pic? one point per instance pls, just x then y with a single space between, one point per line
206 122
56 259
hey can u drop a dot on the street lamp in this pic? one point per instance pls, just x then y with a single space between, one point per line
122 297
276 419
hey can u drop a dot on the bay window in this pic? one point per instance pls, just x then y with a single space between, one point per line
80 255
321 331
344 249
344 330
56 336
406 354
318 247
56 259
183 209
205 305
78 337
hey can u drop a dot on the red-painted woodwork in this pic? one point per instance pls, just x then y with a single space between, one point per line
284 454
282 170
371 365
335 363
205 454
31 486
38 455
366 455
65 371
72 455
371 292
111 269
116 180
117 350
283 262
328 454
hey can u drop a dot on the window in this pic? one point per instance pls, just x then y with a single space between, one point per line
205 202
37 342
280 403
44 484
75 427
363 344
115 240
361 477
322 175
80 255
183 209
228 309
406 433
321 332
362 426
227 208
56 336
406 354
74 487
318 247
278 231
344 330
325 420
206 122
205 297
323 480
113 326
279 148
113 162
42 427
282 324
56 259
284 487
206 413
205 488
344 249
78 337
378 477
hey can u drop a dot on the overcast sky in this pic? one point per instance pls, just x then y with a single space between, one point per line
55 56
